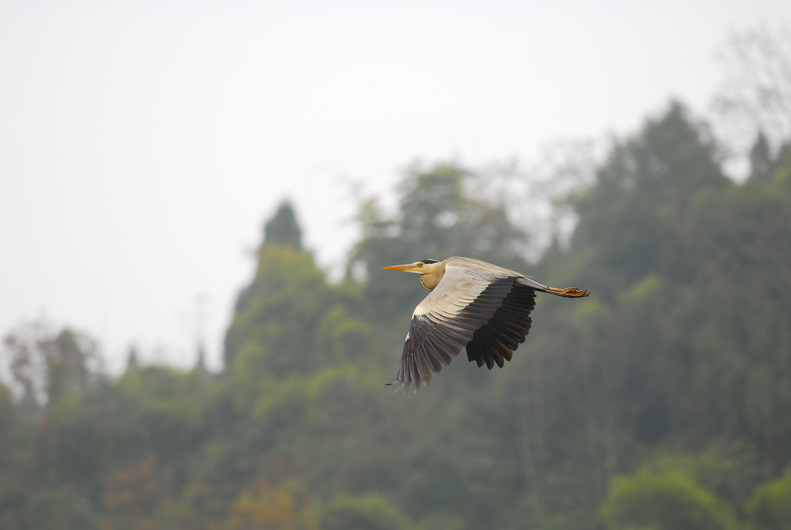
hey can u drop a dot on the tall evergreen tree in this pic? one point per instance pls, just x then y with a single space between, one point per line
761 163
282 229
630 219
67 360
280 318
132 358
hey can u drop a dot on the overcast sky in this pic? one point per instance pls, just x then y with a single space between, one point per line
143 144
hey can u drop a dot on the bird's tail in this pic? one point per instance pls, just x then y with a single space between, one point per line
568 292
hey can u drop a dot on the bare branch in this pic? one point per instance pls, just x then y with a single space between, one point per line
756 92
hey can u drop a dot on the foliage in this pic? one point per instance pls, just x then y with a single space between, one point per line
275 329
370 512
629 219
47 365
271 508
44 509
283 229
668 501
770 508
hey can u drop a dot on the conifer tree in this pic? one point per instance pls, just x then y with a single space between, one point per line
282 229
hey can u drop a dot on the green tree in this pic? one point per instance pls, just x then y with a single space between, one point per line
44 509
739 245
283 229
667 501
278 318
51 365
132 359
275 508
273 330
370 512
683 342
68 359
761 163
770 507
628 220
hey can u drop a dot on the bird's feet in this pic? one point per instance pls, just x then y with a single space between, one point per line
568 292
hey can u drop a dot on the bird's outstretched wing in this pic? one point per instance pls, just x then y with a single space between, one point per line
495 341
450 316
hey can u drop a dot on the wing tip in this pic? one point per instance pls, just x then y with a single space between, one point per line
406 385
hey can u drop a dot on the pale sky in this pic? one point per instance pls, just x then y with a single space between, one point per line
143 144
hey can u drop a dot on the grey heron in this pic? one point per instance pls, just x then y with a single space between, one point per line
472 304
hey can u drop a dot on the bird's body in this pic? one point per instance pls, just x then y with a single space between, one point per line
472 304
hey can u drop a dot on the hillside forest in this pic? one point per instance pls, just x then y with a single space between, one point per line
662 401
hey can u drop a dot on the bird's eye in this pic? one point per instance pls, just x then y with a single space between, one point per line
419 264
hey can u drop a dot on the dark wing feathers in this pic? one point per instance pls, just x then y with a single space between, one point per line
491 327
495 341
486 309
446 321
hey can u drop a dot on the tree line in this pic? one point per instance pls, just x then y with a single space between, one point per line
663 400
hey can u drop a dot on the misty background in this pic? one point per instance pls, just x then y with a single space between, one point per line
143 145
197 200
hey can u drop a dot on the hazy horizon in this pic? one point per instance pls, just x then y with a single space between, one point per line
142 147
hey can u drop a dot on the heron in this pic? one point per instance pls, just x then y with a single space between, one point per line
472 304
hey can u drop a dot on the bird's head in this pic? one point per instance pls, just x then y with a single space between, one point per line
430 271
424 266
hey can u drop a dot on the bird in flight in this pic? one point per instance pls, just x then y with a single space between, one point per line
472 304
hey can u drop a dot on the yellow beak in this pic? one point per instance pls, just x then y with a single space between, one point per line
408 267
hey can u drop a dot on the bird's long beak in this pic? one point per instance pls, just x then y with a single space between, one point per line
408 267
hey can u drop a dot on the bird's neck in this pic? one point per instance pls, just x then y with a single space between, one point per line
430 280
